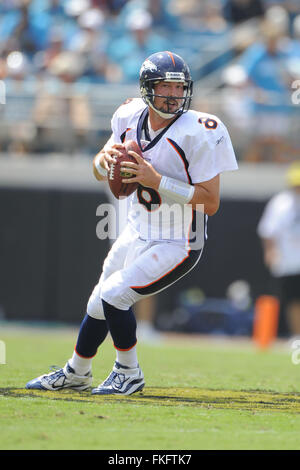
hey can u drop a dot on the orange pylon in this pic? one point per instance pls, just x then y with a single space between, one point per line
266 315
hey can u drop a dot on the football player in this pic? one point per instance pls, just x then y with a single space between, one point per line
184 154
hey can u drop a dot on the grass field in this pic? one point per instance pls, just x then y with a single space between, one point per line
199 394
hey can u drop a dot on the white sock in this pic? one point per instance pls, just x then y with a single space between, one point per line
128 358
81 365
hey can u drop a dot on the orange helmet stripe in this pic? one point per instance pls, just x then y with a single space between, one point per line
172 57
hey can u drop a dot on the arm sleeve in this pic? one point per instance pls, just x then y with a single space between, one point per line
115 127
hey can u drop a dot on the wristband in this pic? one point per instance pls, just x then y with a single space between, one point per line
178 190
102 171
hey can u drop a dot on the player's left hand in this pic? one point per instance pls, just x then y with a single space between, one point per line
144 172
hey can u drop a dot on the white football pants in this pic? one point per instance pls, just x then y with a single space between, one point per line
136 268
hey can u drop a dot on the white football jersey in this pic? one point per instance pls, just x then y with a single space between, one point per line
281 223
194 148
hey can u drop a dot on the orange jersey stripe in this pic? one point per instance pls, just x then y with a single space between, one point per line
188 177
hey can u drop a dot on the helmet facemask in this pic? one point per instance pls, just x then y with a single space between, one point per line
149 95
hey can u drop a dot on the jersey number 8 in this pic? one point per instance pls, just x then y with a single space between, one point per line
148 197
208 123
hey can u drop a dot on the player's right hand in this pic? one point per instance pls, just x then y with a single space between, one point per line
110 155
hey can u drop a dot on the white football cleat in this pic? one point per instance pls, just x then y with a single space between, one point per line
61 378
121 381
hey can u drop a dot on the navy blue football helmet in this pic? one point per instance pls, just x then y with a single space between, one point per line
165 66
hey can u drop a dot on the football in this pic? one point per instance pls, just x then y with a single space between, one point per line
115 175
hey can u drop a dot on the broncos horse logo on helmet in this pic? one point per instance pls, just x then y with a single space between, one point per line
169 67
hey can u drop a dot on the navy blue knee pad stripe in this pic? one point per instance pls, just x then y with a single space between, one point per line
92 333
122 326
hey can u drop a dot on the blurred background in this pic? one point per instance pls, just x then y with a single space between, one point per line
65 66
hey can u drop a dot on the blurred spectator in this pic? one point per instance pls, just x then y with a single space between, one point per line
90 44
212 19
294 50
22 30
19 71
110 38
43 59
292 7
203 17
265 64
278 17
113 6
279 229
160 10
88 38
138 42
237 11
3 69
293 65
203 37
236 105
162 15
23 33
74 8
84 37
17 130
62 112
48 10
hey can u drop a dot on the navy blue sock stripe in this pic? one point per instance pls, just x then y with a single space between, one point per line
122 326
91 334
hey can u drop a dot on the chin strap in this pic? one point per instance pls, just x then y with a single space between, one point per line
161 113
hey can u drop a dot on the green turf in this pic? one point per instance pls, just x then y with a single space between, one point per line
198 395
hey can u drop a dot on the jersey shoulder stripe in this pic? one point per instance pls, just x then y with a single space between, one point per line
182 155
